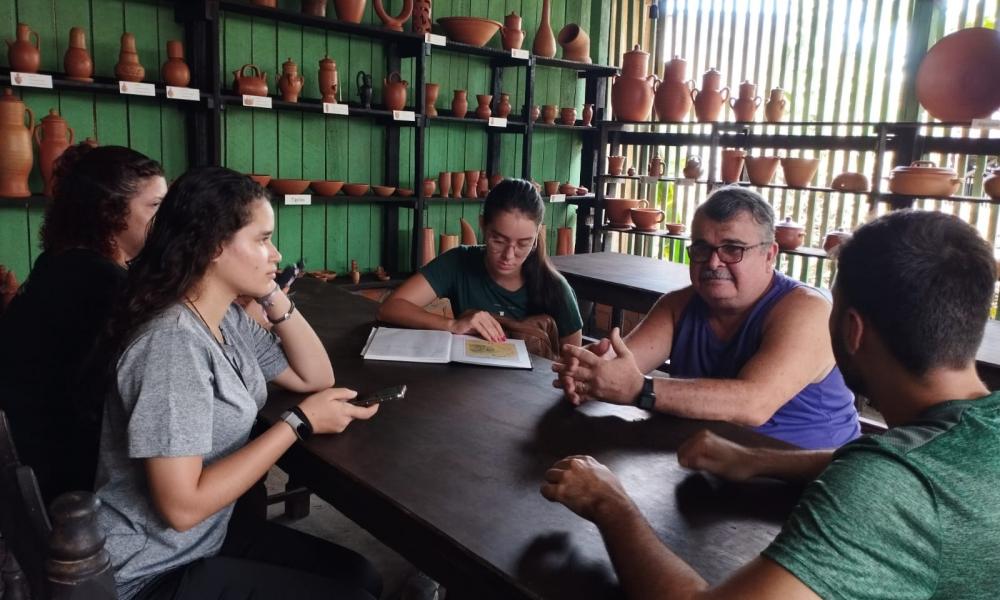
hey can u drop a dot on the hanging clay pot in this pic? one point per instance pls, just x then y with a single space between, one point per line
15 146
329 80
431 91
545 41
444 183
471 184
448 241
632 92
175 71
421 22
564 241
732 164
457 181
129 68
483 110
709 100
77 63
745 106
316 8
511 34
394 91
250 83
575 43
459 104
774 110
503 107
349 10
588 114
290 82
468 233
51 138
427 252
22 55
673 94
391 22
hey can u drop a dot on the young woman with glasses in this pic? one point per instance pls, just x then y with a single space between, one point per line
510 275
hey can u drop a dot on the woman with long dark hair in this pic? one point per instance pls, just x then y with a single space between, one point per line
510 275
96 222
191 375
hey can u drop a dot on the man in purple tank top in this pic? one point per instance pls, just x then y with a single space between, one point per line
746 343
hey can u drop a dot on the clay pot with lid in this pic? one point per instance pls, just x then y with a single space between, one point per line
77 63
789 234
349 10
15 146
51 138
673 94
460 104
732 164
774 110
745 105
545 41
632 92
991 184
175 71
329 80
709 100
511 34
575 43
835 238
799 171
394 91
129 68
431 91
23 55
619 210
394 23
503 107
290 83
250 80
924 178
760 169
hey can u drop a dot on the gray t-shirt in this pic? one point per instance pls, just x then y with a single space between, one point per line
178 394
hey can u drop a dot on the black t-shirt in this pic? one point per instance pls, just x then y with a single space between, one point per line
46 334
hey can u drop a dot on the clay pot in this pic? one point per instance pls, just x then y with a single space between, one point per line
431 91
774 110
316 8
545 42
175 71
327 188
349 10
329 80
356 189
15 146
52 141
799 171
924 178
991 184
290 82
427 248
429 186
252 82
850 182
77 61
630 172
632 92
22 55
789 234
289 186
483 110
355 277
647 219
692 167
952 82
421 21
448 241
588 115
709 100
495 180
457 181
394 91
468 233
616 164
567 188
732 164
564 241
471 184
482 185
575 43
761 169
551 187
391 22
503 107
383 191
444 183
568 116
745 106
459 104
835 238
673 94
618 210
549 114
128 67
259 178
535 113
511 34
655 167
675 228
474 31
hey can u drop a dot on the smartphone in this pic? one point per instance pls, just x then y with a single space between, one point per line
392 393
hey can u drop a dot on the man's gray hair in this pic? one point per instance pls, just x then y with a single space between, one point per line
728 201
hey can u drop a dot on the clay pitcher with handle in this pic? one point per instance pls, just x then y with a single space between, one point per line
709 100
250 82
51 138
511 34
774 110
394 91
15 146
673 94
745 106
632 92
290 82
23 55
391 22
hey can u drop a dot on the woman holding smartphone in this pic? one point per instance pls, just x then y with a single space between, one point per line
190 377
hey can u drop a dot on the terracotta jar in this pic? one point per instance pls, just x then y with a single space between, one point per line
849 181
316 8
51 138
431 91
349 10
692 167
709 100
745 106
588 115
632 92
427 248
503 107
175 71
511 34
619 210
534 113
835 238
251 82
290 82
545 41
460 104
391 22
394 91
15 146
575 43
655 167
732 164
483 110
429 187
789 234
616 164
482 185
673 94
568 115
799 171
329 80
22 55
421 21
448 241
774 110
564 241
77 63
471 184
760 169
457 181
444 183
549 114
128 67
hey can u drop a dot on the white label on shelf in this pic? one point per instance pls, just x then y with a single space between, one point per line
34 80
335 108
520 53
986 124
298 199
648 179
404 115
256 101
183 93
498 121
435 40
557 198
136 89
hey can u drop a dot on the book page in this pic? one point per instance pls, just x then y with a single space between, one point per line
408 345
477 351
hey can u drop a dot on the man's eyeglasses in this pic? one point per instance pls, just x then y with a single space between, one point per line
728 253
498 245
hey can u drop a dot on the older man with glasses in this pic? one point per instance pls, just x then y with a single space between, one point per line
746 343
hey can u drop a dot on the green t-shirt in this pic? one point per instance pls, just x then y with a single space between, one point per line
460 276
912 513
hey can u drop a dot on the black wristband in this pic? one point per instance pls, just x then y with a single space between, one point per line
307 425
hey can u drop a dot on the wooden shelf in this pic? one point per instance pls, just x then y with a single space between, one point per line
904 198
558 125
777 186
513 126
100 85
312 105
403 201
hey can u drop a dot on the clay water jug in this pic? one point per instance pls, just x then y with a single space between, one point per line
774 110
252 82
394 91
129 68
77 62
175 71
364 84
588 114
709 100
431 91
15 146
290 82
483 110
745 106
673 94
511 34
22 55
545 40
503 107
51 138
349 10
564 241
421 21
460 104
632 92
316 8
391 22
329 81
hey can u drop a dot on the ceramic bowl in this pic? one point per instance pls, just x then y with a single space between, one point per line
551 187
261 179
675 228
404 192
760 169
474 31
327 188
383 190
850 182
289 186
799 172
355 189
567 188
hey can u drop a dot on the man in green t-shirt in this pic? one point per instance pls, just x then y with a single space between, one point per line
910 513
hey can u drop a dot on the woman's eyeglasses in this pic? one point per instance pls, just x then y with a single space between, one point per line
499 245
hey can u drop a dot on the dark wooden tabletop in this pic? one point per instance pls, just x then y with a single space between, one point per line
450 476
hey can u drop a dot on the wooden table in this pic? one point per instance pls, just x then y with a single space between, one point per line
449 476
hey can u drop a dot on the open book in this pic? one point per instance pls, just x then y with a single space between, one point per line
429 346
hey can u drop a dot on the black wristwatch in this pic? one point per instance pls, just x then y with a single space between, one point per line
299 422
647 397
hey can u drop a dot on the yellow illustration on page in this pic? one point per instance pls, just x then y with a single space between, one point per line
482 349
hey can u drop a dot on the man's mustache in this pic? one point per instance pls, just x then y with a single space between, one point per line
710 274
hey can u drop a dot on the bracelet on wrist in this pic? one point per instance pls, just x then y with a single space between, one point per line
284 317
306 423
267 300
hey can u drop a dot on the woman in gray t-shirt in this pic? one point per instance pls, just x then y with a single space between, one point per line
191 375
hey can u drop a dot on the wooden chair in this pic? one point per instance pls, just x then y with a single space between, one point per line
61 559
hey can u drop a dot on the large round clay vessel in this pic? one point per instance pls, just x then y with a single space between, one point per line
77 62
545 41
316 8
575 43
129 68
421 21
745 106
15 146
175 71
51 138
22 55
673 94
290 83
391 22
349 10
632 92
709 100
328 79
460 104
